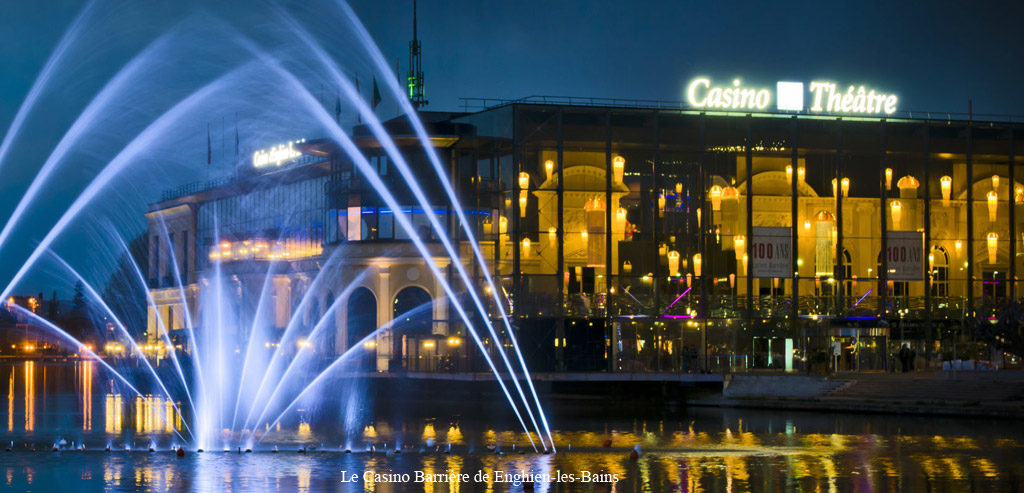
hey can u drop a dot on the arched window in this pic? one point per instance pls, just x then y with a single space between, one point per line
360 323
413 312
938 259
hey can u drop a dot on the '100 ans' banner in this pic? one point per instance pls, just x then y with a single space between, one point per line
770 249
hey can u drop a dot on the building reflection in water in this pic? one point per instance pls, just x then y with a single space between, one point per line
30 395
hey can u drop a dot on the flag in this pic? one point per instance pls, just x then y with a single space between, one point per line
359 116
376 95
209 146
337 109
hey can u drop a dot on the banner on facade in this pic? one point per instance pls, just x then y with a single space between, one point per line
770 249
905 254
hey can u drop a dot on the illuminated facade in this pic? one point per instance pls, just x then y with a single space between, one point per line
644 239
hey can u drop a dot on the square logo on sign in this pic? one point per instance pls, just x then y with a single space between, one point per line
790 96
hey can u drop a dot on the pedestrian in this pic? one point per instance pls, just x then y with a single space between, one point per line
904 358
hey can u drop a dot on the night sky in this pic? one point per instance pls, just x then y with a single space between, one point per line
935 59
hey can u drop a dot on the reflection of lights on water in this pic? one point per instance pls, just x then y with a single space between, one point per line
86 393
10 402
30 395
112 414
304 430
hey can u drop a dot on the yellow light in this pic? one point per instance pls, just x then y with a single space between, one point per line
995 182
369 344
696 264
807 226
835 188
502 225
993 244
454 341
304 344
739 243
888 178
800 173
845 184
732 281
715 193
524 180
627 267
549 168
1018 195
522 204
673 263
789 174
745 260
957 245
552 235
526 247
619 168
661 204
428 344
584 236
897 213
225 244
620 217
993 205
679 188
947 188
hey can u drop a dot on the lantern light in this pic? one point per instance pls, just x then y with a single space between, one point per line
1018 195
789 174
673 263
897 213
524 180
947 188
549 168
696 264
993 243
888 178
995 182
526 247
745 260
845 185
993 205
679 188
957 245
715 193
619 166
800 173
627 267
739 243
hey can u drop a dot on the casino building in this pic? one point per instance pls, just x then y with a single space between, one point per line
630 237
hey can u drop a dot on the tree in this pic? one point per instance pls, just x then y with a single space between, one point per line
53 311
125 294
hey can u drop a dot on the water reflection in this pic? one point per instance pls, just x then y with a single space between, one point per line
699 450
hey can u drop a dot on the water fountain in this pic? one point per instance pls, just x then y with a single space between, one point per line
232 399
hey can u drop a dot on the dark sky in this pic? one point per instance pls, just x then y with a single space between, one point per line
934 55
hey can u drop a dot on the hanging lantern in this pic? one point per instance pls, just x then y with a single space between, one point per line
730 193
732 281
696 264
698 217
835 188
549 168
679 188
627 267
947 188
552 236
502 225
715 193
888 178
807 226
689 279
789 174
673 263
619 167
526 247
993 243
995 182
1018 195
745 260
845 185
620 218
957 245
662 249
584 236
993 205
661 204
931 260
524 180
897 213
739 243
800 173
522 203
908 187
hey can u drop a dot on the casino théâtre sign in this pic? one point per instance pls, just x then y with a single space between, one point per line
822 96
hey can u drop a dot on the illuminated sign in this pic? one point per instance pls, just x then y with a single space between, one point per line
276 156
825 96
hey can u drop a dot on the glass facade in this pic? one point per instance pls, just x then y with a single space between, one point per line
652 240
647 240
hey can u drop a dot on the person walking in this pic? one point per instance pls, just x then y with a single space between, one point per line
904 357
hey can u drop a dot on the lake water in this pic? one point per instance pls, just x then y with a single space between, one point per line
697 449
